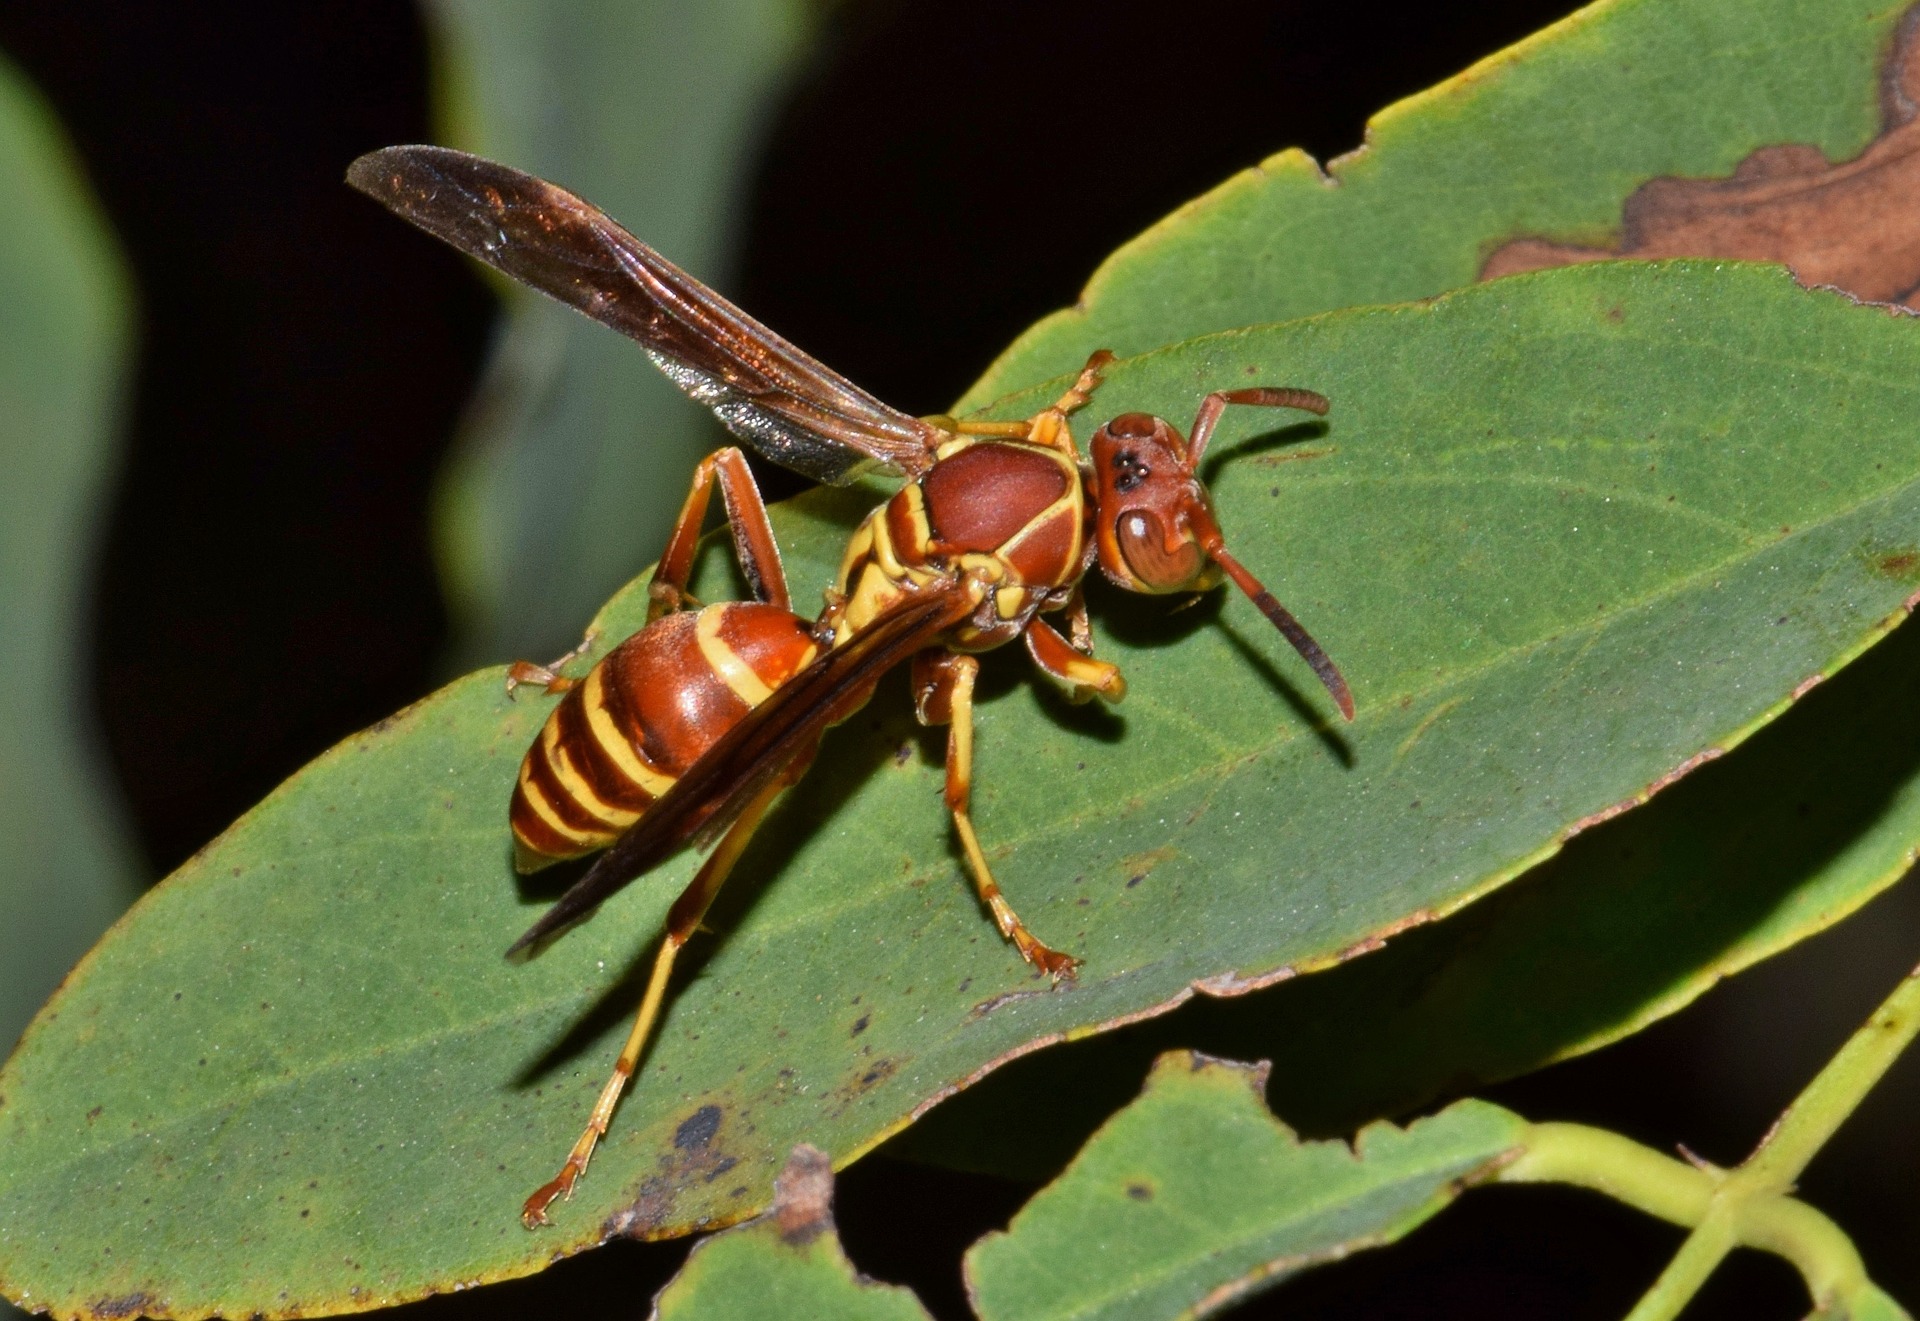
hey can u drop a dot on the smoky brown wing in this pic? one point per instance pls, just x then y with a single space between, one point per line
782 402
782 729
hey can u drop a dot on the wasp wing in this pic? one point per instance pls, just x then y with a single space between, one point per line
782 402
780 731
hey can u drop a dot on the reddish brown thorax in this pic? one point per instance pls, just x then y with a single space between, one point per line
1152 510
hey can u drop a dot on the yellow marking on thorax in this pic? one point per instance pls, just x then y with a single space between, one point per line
916 498
1072 504
576 784
881 551
616 742
850 560
736 674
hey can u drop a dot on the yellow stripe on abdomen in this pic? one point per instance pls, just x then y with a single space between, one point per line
578 789
740 677
616 742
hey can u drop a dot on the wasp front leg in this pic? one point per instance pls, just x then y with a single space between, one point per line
1070 661
1047 427
1080 676
943 695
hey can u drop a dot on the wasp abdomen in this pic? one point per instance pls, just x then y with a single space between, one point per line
622 736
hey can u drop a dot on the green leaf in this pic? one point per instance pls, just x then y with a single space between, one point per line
1805 822
1195 1196
1555 566
65 336
1545 138
571 467
787 1263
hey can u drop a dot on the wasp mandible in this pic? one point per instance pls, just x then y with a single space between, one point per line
688 730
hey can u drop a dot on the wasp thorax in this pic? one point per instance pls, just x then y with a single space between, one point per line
1144 494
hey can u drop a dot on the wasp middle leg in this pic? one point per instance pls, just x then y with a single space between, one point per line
943 695
548 676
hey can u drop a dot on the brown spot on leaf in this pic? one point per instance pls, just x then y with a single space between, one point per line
860 1024
1902 565
1140 865
803 1197
1140 1192
1852 225
132 1304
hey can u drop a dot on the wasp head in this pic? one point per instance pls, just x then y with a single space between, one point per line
1154 527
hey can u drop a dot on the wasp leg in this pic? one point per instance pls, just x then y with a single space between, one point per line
1085 384
943 695
683 919
1047 426
1050 425
1080 675
548 676
753 541
1006 430
1079 627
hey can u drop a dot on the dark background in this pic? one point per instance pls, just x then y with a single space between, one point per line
266 585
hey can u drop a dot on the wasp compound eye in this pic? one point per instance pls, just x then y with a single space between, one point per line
1156 565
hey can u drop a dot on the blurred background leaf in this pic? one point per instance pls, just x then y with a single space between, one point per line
65 337
66 869
574 454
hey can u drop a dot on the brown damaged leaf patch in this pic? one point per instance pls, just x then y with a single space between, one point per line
803 1197
1854 225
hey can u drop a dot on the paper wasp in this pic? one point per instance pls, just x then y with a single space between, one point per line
689 729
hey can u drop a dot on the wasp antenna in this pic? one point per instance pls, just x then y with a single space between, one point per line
1289 627
1265 396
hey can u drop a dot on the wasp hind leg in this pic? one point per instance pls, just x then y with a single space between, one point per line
683 919
753 542
943 695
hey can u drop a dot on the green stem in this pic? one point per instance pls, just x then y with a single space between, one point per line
1711 1240
1748 1206
1685 1195
1795 1139
1838 1090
